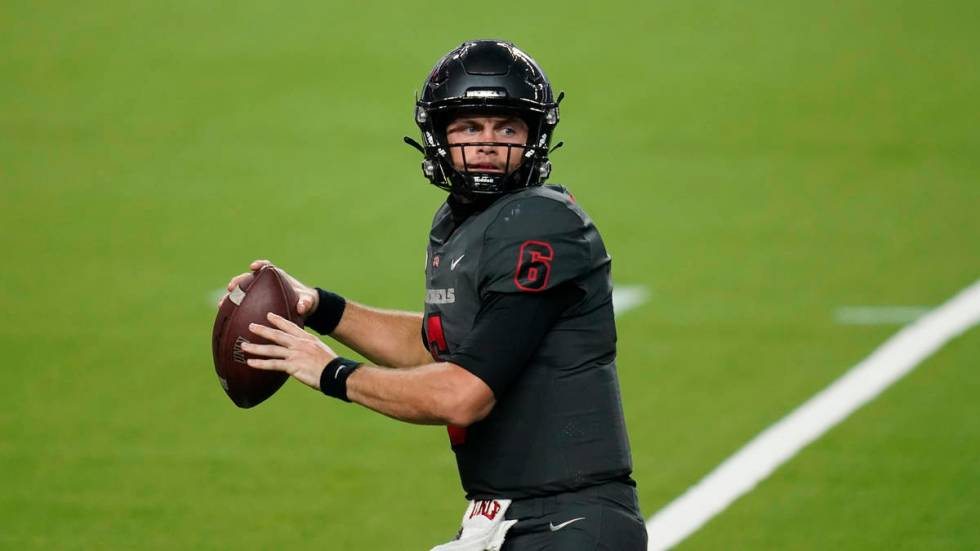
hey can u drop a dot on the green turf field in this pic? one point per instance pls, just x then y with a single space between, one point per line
755 165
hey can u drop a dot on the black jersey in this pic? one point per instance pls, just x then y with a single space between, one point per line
558 424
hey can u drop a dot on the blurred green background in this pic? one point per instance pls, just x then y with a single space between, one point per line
754 165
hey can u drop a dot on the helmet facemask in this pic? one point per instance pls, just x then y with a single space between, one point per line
459 163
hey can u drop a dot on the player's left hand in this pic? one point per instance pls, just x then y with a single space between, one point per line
293 351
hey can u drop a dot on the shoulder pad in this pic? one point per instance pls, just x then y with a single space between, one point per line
538 239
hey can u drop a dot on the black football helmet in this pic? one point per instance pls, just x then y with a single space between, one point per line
492 76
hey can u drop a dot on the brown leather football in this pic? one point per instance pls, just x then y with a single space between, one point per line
266 291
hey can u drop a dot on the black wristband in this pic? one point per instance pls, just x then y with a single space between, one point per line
333 380
329 310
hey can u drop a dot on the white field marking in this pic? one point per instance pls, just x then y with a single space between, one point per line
756 460
625 298
879 315
215 296
628 297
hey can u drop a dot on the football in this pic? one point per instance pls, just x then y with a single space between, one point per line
266 291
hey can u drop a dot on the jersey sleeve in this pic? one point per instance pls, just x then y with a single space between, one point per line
536 244
507 332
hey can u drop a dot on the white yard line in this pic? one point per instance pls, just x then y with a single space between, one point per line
625 298
628 297
215 295
879 315
756 460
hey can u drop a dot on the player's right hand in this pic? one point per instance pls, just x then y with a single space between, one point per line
308 297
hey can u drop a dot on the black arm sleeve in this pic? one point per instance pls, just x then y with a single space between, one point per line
507 331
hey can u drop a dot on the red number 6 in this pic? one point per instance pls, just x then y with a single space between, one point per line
534 266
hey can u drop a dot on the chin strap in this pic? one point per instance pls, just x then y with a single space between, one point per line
557 146
414 144
428 166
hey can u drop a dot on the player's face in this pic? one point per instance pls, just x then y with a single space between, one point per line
474 129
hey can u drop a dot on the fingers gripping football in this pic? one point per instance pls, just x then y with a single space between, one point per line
240 280
294 351
307 297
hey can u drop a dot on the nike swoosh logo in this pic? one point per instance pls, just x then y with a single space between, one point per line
452 265
554 528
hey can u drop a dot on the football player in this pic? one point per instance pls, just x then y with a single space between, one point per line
517 355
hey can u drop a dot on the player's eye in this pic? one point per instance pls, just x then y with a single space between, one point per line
463 129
